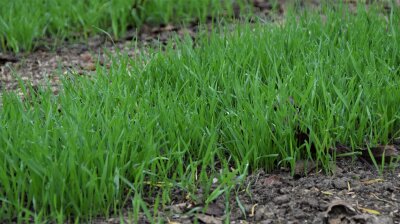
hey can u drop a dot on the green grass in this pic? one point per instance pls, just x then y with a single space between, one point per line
24 22
220 109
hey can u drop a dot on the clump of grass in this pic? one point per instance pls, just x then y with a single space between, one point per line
23 23
179 118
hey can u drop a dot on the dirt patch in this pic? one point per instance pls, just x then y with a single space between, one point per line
355 193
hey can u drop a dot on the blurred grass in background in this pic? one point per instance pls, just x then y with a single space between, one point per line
23 22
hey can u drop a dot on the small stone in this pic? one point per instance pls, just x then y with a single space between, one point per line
260 213
388 186
311 202
340 184
267 221
357 188
326 184
263 213
323 206
215 209
281 199
89 66
272 180
86 57
309 184
284 190
338 171
299 214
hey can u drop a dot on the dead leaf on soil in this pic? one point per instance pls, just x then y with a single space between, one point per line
348 187
86 57
341 207
157 184
272 180
303 167
117 220
371 219
89 66
7 58
215 209
179 208
262 5
382 151
369 211
169 27
338 211
172 222
373 181
163 29
341 212
252 212
209 219
396 141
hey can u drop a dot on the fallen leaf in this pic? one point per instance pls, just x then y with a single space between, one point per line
157 184
7 58
89 66
172 222
272 180
371 219
86 57
215 209
169 27
303 167
209 219
381 151
370 211
373 181
252 212
179 208
341 207
338 211
396 141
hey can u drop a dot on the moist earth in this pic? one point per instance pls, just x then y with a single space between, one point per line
355 193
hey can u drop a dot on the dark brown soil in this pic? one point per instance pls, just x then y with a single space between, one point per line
355 193
351 195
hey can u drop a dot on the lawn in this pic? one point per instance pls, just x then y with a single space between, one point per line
24 24
222 106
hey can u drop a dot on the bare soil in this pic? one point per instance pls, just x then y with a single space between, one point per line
354 193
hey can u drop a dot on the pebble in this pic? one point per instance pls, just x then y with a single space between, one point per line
340 184
282 199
